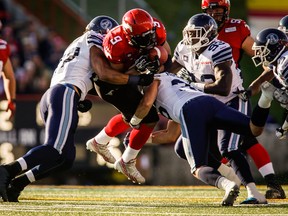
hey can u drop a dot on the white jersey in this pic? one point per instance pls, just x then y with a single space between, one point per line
173 93
74 67
201 67
281 71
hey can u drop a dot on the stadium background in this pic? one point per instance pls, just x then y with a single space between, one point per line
159 164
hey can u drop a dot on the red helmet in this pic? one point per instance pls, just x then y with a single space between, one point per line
225 4
139 28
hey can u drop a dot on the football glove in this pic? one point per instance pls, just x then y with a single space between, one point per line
142 79
153 66
244 95
84 106
141 62
126 139
12 107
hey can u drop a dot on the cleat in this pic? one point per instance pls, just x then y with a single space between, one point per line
253 200
100 149
129 170
230 195
275 192
4 181
13 193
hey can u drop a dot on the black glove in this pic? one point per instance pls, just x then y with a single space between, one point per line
153 66
142 79
245 94
84 106
141 62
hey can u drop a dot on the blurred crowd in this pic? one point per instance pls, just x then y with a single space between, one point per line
35 51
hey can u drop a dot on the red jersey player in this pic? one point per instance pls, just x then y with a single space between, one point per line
8 77
126 47
237 33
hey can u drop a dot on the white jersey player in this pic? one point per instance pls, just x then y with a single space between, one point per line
197 113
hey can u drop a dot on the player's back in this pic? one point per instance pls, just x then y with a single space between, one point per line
74 67
173 93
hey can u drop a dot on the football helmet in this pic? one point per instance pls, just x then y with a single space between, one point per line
101 24
211 4
139 28
283 24
268 46
199 32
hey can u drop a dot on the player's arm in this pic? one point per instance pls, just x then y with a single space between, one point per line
223 80
175 66
168 135
145 104
9 86
247 45
104 71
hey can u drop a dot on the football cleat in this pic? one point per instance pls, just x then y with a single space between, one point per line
100 149
4 181
13 193
275 192
253 201
129 170
230 195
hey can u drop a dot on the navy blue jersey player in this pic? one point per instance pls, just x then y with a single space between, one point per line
69 86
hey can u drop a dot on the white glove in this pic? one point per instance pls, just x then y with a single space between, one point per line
281 133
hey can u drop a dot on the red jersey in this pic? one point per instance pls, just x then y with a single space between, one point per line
4 53
119 51
234 32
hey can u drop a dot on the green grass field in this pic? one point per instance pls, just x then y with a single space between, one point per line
134 200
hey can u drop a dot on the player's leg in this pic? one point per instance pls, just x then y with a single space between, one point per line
196 146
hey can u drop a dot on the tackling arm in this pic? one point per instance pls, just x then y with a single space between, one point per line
168 135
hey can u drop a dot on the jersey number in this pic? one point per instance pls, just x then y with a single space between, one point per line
71 55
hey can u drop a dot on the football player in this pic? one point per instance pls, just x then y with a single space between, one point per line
236 32
8 77
70 84
212 70
283 24
271 50
126 47
199 113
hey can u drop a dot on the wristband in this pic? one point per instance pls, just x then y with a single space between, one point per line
133 80
135 120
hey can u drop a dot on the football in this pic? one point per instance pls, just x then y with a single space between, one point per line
159 51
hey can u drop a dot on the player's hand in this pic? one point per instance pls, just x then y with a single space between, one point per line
153 66
244 95
142 79
281 133
141 62
12 107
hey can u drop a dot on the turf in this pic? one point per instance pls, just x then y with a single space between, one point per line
134 200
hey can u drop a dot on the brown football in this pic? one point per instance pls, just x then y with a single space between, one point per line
159 51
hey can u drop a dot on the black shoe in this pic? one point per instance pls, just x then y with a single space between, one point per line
13 193
275 192
4 181
230 196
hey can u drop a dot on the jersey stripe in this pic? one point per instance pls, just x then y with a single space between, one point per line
223 55
95 40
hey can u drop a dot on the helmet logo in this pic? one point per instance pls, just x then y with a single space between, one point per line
106 24
273 38
127 27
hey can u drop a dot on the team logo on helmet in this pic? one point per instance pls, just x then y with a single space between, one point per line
106 24
273 38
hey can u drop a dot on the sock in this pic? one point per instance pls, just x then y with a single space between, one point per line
208 175
229 173
115 126
241 166
129 154
102 137
261 158
20 182
223 183
264 102
14 168
138 137
259 116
